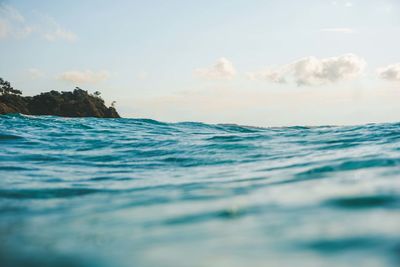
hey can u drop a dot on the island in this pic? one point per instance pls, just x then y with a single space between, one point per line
77 103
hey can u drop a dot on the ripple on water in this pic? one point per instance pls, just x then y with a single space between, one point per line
196 194
365 202
47 193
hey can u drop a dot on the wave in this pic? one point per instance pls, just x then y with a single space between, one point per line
139 192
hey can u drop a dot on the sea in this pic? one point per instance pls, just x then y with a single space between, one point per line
90 192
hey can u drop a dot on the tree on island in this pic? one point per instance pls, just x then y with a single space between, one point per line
7 89
97 94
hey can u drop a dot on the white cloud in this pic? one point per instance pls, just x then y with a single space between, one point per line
390 73
11 13
338 30
314 71
60 34
272 75
14 25
52 31
81 77
36 73
310 71
222 69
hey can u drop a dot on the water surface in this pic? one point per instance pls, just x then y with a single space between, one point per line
135 192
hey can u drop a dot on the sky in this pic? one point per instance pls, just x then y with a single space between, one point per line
251 62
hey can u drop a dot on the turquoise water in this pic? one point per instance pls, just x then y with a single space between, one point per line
135 192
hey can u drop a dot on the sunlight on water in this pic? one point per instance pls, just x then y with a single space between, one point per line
136 192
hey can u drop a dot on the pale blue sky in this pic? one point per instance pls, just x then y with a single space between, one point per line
156 58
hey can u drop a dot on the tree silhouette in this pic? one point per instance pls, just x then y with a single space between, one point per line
7 89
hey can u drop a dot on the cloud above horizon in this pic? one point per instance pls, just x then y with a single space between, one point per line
390 73
35 73
84 77
223 69
14 25
54 32
312 71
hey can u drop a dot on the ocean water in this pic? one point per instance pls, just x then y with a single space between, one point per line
135 192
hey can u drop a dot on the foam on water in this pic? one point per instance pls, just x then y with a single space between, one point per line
137 192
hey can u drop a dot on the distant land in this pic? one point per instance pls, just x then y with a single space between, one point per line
78 103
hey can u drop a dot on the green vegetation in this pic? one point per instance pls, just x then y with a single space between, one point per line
6 88
78 103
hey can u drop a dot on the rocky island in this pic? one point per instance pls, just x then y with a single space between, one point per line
78 103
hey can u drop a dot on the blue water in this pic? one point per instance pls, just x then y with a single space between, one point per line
135 192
